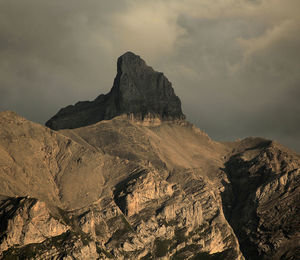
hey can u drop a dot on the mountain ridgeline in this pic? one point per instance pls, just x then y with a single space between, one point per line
127 177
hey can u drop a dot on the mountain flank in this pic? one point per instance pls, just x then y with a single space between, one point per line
127 177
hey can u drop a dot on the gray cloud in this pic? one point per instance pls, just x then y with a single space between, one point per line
234 63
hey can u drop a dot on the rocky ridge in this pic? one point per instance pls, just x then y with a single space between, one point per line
143 187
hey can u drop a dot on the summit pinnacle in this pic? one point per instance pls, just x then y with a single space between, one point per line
137 90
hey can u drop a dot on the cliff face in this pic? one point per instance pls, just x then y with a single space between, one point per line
138 90
147 186
265 201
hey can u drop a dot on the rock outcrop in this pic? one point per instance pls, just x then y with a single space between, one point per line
265 201
137 91
27 221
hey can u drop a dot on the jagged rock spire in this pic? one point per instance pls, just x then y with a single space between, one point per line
137 90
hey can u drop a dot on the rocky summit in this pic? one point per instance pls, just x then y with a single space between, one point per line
138 91
142 184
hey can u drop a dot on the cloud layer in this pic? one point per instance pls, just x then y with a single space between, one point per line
234 63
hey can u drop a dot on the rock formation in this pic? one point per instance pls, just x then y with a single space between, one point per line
138 90
146 186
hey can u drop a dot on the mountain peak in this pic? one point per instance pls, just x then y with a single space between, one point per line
130 61
129 56
137 90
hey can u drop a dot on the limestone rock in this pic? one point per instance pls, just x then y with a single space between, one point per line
138 91
26 221
265 202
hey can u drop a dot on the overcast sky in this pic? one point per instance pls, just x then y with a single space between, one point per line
235 64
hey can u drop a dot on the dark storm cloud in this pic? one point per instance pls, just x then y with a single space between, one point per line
49 55
234 63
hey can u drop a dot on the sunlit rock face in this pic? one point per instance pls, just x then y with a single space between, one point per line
143 184
30 223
